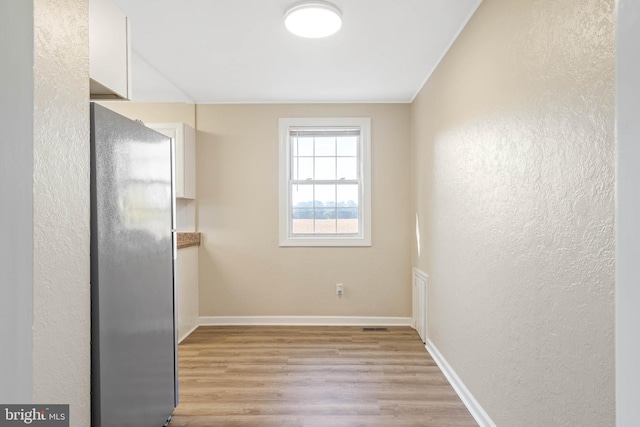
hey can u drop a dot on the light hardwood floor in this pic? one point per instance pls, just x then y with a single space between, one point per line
312 376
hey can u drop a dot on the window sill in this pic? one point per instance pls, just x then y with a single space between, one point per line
325 242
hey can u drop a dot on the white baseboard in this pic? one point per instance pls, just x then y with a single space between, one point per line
180 339
481 417
305 321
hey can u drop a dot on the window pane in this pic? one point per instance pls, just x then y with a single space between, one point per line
302 168
325 221
325 196
302 213
325 168
347 168
302 226
348 146
348 220
347 213
301 196
348 195
305 147
325 147
325 213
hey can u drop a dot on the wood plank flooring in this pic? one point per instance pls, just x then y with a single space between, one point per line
312 377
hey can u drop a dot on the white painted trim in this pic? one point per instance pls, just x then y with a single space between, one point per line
305 321
479 414
188 333
293 102
421 274
453 40
363 238
420 304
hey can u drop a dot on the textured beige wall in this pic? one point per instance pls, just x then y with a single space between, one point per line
513 180
61 301
243 272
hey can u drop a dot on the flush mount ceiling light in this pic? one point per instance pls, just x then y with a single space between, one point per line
313 19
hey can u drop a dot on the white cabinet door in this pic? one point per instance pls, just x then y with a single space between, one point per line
185 159
109 51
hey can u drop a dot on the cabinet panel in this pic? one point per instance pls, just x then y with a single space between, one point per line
109 51
185 160
187 289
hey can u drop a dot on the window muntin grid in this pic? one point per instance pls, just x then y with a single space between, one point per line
325 181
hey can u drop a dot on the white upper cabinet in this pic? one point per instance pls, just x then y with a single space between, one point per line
185 158
109 51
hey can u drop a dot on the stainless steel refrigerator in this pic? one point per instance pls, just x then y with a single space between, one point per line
133 339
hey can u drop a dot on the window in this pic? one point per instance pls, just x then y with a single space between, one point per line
325 174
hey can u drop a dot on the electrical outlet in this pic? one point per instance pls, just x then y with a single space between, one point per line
339 289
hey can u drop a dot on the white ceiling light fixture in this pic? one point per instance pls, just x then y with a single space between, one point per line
313 19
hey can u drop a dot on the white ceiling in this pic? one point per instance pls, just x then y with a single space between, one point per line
238 51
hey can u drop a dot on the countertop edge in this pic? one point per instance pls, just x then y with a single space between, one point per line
187 240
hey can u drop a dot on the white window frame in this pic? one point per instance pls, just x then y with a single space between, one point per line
363 238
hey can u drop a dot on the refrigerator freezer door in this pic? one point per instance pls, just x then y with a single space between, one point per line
132 294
